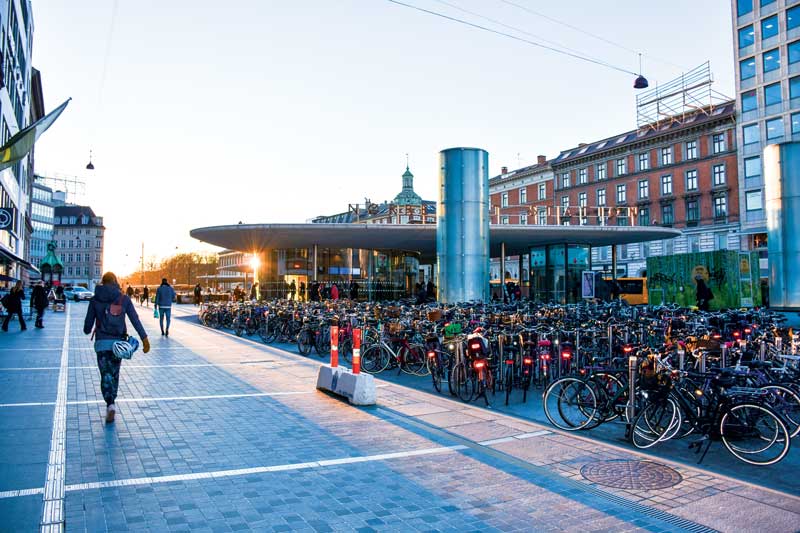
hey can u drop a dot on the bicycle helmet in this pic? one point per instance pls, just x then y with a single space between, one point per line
125 349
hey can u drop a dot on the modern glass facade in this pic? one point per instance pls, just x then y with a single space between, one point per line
555 272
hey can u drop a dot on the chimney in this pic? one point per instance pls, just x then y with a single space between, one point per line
504 170
541 159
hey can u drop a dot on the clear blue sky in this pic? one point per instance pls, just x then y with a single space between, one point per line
264 111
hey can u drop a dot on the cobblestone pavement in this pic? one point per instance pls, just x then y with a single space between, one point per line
215 433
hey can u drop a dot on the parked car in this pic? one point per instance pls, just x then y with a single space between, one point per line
78 294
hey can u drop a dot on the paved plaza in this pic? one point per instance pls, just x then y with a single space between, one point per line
215 433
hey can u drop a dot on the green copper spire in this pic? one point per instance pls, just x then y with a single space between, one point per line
407 196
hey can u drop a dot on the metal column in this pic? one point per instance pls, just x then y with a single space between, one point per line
503 269
613 261
314 262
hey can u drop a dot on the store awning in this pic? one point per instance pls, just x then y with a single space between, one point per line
14 258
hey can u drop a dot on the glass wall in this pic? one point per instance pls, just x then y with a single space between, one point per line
555 272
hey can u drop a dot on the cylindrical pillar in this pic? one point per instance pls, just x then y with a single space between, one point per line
614 261
462 228
314 252
356 350
334 346
503 270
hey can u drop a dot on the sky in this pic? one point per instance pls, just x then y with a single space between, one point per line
203 113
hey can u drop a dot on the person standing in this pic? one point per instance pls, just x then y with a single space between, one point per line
198 294
39 302
334 292
302 291
129 291
105 320
430 290
704 294
165 295
13 304
254 291
354 291
146 296
292 290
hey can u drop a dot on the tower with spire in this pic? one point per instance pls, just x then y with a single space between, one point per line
407 196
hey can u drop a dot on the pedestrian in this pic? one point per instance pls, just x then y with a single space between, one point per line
129 291
422 294
198 294
105 320
518 292
704 294
13 304
165 295
60 293
39 302
292 290
302 291
254 291
354 291
334 292
146 296
430 290
137 294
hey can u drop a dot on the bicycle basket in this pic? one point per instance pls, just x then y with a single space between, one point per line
394 328
435 315
451 330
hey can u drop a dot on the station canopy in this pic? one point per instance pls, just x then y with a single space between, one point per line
417 237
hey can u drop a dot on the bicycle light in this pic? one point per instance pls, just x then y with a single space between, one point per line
527 361
479 364
627 348
736 334
566 354
431 354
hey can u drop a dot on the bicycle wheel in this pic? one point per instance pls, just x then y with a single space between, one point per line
657 422
346 350
435 370
413 360
305 341
787 403
322 341
754 434
463 383
570 404
375 359
508 380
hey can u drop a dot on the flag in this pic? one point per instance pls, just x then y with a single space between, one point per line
22 142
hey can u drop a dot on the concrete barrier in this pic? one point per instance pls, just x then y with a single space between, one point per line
359 389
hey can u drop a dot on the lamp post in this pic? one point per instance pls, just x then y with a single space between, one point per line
255 262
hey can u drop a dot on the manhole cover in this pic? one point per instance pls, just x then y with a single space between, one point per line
625 474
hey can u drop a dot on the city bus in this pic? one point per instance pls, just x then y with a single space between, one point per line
633 290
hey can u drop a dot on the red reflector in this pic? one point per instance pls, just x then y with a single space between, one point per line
479 364
509 361
566 355
475 345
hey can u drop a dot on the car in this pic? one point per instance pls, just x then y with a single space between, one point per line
78 293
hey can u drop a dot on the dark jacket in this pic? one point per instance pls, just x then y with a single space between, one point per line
38 297
165 294
106 295
14 302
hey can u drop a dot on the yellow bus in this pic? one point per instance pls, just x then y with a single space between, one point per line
633 290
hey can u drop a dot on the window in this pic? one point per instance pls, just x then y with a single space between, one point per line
542 191
667 214
720 207
795 123
794 52
601 171
772 94
746 36
691 150
582 199
747 68
601 197
504 200
793 17
692 211
86 258
775 128
666 185
772 60
582 173
751 135
644 189
63 244
691 180
564 204
523 219
78 243
794 85
541 215
666 156
565 180
85 271
97 271
743 7
644 161
504 220
718 143
97 243
621 193
718 173
622 168
753 201
769 27
70 258
69 271
644 216
523 195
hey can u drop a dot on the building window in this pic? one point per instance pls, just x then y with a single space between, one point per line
793 18
794 87
523 219
666 185
666 214
769 27
63 244
752 201
666 156
542 191
772 60
622 168
746 36
582 176
70 258
523 195
743 7
565 180
747 68
86 258
644 189
97 271
718 143
751 135
541 215
691 150
692 211
720 207
504 220
504 200
795 123
582 202
97 243
691 180
775 128
644 216
794 52
601 197
644 161
621 193
69 271
772 94
601 171
718 172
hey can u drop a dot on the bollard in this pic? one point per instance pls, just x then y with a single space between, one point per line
681 357
610 342
762 351
578 345
334 346
779 344
357 351
723 362
702 361
630 409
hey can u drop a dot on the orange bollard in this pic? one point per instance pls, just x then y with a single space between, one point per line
356 350
334 346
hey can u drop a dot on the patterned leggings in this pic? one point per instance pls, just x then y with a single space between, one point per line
109 364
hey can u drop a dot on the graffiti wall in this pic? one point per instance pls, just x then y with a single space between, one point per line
731 276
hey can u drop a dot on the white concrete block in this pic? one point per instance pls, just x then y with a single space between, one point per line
359 389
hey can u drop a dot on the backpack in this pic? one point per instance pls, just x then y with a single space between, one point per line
111 322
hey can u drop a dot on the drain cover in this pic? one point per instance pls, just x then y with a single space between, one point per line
625 474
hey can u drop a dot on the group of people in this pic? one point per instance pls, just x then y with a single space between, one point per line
142 296
425 292
41 296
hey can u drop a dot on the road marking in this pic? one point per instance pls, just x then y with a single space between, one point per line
496 441
264 364
53 500
241 471
534 434
165 398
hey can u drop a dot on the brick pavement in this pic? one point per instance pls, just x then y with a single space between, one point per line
216 433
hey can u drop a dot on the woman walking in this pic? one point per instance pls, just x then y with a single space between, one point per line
13 304
105 320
